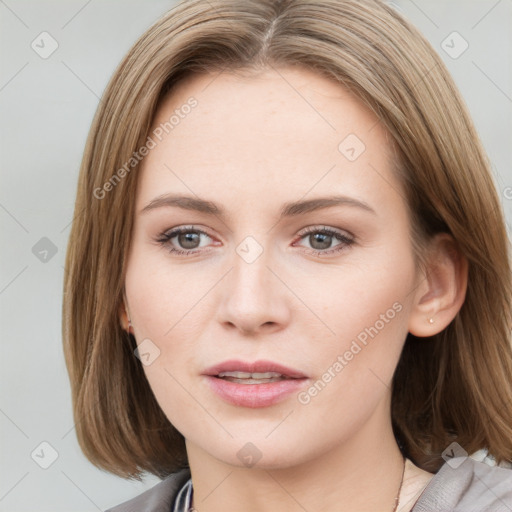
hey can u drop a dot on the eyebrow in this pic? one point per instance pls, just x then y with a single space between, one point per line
290 209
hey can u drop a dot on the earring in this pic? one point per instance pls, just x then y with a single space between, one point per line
130 328
431 320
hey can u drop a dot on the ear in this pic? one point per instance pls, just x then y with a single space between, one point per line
123 315
441 292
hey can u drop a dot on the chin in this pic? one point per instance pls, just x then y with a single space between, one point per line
258 455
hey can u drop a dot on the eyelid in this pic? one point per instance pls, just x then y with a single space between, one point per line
180 229
329 229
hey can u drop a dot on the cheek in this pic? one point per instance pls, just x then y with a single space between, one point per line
368 292
366 309
161 294
160 300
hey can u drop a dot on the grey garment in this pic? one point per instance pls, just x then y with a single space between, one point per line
472 487
160 498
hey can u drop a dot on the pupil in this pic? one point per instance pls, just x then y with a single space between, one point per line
323 243
187 240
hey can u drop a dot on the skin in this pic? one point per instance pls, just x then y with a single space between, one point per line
252 143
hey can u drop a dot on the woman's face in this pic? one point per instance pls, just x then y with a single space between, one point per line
295 251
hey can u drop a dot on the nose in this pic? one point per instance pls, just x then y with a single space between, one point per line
254 298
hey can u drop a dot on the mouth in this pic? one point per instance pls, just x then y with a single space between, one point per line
257 384
247 373
252 378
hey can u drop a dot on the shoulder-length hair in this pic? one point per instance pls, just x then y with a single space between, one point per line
454 386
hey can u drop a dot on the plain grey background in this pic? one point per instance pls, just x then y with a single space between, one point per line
46 106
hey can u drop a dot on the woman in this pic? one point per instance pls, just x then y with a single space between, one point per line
288 281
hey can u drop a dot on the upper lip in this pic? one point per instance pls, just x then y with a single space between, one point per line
261 366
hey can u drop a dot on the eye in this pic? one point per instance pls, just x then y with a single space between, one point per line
187 238
321 240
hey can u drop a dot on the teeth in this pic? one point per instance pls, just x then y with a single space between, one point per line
252 381
246 375
251 378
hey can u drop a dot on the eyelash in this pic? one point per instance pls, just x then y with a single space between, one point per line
165 238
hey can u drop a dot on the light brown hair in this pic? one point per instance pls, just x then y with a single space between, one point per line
454 386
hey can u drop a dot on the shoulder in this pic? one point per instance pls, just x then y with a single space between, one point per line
467 486
157 499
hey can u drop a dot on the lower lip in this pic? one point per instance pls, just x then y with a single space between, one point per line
254 395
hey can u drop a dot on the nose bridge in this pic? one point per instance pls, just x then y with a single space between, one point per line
250 272
253 296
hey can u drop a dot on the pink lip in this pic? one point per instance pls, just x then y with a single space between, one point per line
234 365
254 395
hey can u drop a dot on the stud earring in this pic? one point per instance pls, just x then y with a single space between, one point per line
431 320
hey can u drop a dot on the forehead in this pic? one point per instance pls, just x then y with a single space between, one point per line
269 99
286 128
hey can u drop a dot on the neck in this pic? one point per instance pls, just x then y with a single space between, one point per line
363 473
